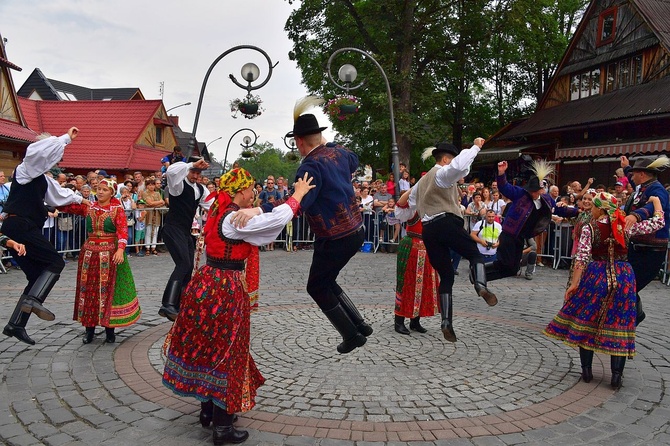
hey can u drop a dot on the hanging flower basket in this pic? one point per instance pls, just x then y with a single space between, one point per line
292 156
249 106
342 107
247 154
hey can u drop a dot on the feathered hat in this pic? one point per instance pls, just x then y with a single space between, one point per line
305 124
541 169
443 147
650 165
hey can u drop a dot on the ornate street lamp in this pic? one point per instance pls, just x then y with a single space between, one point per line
347 74
290 144
246 142
250 73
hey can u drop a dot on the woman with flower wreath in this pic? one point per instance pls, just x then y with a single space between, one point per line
208 355
106 292
599 310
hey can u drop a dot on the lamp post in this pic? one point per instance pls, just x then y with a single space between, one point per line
347 74
215 139
246 142
250 73
177 106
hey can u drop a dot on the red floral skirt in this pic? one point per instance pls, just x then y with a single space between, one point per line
416 281
208 356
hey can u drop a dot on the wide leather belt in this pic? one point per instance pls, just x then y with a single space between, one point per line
231 264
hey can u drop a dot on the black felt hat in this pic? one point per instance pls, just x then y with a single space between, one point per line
445 147
643 165
533 184
305 125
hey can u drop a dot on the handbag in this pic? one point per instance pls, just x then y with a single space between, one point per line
130 221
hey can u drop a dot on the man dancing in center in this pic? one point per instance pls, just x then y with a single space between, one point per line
437 199
335 218
185 196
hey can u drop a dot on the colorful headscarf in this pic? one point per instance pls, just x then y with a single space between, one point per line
611 205
109 183
230 183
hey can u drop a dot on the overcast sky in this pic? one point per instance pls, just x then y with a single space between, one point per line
130 43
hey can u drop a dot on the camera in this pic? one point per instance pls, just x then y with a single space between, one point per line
489 245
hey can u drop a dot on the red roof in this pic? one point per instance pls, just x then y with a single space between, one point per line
108 131
12 130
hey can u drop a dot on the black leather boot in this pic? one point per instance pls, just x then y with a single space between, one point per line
399 325
617 363
362 326
345 326
223 431
110 336
478 278
447 314
586 359
16 326
171 298
206 413
88 337
32 303
415 325
640 312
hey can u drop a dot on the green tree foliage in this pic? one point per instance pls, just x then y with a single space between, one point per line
458 69
267 160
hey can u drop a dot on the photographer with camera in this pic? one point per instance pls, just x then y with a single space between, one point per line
485 233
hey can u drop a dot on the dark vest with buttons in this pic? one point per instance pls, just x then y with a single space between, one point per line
183 207
27 200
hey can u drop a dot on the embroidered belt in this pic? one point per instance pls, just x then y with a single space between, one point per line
237 265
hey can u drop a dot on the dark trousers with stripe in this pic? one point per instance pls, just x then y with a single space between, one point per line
181 246
329 257
440 237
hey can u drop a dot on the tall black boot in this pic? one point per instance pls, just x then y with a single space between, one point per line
617 363
478 277
447 314
17 324
399 325
586 359
352 311
640 312
206 413
38 294
88 337
110 336
171 298
223 431
340 319
415 325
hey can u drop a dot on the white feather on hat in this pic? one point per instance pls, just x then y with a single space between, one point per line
542 169
302 105
660 162
427 153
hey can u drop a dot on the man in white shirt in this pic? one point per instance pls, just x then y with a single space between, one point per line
26 213
485 233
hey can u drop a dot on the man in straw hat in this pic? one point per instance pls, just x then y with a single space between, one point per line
335 218
646 253
437 200
185 193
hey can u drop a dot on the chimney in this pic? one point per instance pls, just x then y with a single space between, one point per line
174 120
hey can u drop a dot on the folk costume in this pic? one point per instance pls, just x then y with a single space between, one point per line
106 293
646 253
185 197
600 315
437 200
208 356
335 218
416 281
26 214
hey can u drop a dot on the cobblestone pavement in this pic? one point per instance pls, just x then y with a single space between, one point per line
502 383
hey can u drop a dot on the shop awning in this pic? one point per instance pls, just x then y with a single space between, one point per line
503 153
629 148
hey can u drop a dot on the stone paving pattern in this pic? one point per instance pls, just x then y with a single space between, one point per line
502 383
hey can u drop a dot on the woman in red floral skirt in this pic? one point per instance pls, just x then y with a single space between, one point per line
208 357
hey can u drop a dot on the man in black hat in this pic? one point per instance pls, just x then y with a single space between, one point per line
437 200
186 193
529 214
646 253
335 218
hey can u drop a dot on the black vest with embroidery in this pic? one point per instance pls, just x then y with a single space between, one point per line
183 207
27 200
